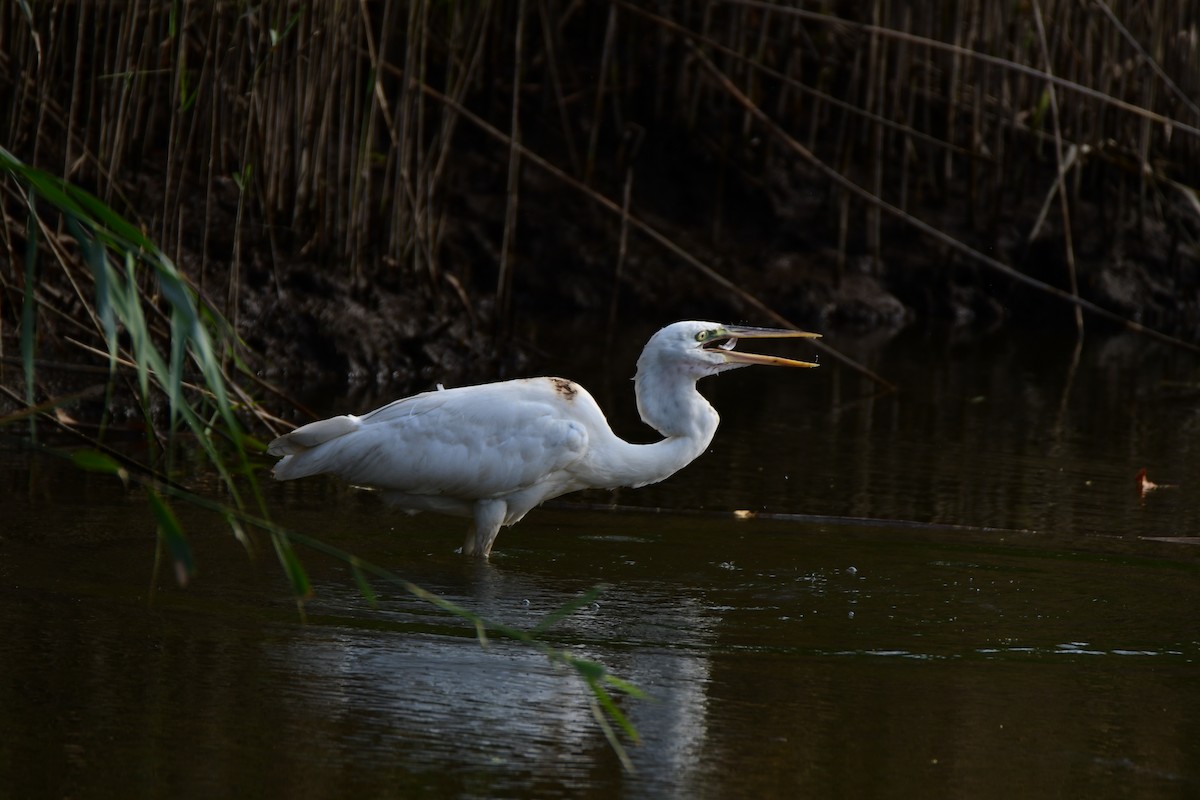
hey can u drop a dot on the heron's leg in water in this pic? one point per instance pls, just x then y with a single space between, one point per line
489 515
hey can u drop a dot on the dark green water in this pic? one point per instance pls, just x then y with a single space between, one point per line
1003 616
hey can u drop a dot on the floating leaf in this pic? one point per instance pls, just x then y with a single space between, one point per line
1145 485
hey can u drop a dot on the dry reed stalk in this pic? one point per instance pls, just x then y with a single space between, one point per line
754 77
709 273
957 48
877 71
507 247
606 57
622 242
551 43
409 201
458 83
1068 236
696 89
69 167
952 105
924 227
825 102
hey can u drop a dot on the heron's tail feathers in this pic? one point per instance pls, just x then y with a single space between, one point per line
302 440
311 435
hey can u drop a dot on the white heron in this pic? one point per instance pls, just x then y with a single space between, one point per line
493 452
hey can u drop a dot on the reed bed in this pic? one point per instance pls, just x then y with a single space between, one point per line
359 136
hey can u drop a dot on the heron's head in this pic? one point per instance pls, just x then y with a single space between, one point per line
706 348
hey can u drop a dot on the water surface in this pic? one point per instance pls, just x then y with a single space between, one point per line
952 590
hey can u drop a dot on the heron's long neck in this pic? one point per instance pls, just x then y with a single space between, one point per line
668 402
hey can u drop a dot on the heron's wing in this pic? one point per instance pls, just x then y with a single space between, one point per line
472 442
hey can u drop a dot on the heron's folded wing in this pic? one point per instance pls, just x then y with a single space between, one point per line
479 441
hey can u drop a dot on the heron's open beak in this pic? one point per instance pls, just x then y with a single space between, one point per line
736 332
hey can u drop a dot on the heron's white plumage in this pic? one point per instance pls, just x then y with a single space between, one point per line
493 452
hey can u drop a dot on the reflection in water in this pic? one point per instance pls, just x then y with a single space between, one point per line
1038 640
461 708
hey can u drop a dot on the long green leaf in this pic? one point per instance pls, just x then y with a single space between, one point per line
611 709
141 343
301 587
97 260
602 708
172 533
364 586
624 686
173 380
95 461
42 182
239 532
585 599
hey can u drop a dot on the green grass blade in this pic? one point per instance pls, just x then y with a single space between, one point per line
173 380
43 183
239 532
141 345
364 586
97 259
112 228
301 587
481 632
586 599
95 461
172 533
625 686
597 702
610 708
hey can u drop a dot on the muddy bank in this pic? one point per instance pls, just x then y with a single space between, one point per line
305 320
782 247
